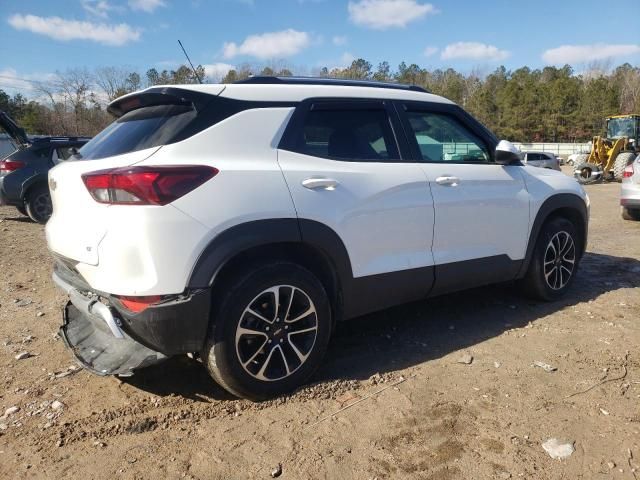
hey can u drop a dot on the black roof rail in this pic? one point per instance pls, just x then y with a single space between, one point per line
266 80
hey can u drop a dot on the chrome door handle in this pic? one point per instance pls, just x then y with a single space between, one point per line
448 180
315 183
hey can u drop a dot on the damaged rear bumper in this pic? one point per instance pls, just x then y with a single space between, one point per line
110 340
98 350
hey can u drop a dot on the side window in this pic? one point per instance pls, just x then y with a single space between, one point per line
342 133
64 152
443 138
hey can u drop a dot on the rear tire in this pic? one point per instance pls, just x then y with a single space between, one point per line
630 213
38 205
22 211
623 160
269 331
554 261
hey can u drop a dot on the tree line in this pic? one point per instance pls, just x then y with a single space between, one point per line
525 105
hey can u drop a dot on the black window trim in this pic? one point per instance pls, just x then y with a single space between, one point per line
485 136
293 131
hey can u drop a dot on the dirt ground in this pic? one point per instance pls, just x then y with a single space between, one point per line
421 415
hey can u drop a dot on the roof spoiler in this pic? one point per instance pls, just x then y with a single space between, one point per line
158 96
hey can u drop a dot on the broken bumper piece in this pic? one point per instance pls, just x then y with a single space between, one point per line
97 347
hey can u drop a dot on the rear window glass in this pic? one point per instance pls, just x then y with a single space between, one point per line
139 129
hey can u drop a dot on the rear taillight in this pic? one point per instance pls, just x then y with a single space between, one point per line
138 304
628 172
8 166
146 185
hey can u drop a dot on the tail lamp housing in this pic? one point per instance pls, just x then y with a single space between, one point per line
7 166
628 171
146 185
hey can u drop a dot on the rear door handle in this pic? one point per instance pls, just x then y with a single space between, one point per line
448 180
315 183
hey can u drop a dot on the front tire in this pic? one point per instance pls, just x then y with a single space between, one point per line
269 331
38 205
630 213
554 261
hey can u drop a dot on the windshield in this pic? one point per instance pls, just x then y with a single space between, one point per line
621 127
139 129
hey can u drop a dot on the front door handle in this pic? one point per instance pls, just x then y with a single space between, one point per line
324 183
448 180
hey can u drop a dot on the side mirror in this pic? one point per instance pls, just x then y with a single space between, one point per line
507 153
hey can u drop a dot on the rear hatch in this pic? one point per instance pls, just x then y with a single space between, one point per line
146 121
16 134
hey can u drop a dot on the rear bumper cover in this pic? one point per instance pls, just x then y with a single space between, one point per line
107 339
630 194
97 350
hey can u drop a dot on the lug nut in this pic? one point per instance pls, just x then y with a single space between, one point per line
267 329
281 340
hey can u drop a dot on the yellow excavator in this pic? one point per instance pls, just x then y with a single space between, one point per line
610 154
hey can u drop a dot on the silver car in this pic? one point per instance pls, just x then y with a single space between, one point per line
630 192
541 159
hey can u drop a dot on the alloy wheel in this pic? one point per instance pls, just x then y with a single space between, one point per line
276 333
559 260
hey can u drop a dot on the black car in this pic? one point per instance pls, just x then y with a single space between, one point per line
23 173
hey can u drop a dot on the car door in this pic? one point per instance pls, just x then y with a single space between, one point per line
533 159
346 170
481 207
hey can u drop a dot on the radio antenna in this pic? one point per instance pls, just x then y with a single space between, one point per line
189 60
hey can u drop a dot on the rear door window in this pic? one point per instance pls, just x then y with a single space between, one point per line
138 129
357 133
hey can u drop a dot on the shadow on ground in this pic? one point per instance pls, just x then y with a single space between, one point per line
19 219
411 334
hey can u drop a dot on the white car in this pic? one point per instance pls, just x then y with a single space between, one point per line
541 160
577 158
630 191
243 221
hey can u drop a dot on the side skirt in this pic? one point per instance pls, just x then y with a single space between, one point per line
451 277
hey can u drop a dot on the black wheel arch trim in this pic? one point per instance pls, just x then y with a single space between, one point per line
355 296
37 181
237 239
552 205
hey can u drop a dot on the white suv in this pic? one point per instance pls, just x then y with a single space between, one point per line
241 222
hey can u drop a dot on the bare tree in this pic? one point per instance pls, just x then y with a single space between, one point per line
629 78
113 81
57 109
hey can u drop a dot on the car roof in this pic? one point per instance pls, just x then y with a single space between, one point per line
297 92
539 151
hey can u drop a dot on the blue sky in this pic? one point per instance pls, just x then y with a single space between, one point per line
40 37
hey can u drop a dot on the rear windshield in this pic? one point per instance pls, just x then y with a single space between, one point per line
138 129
